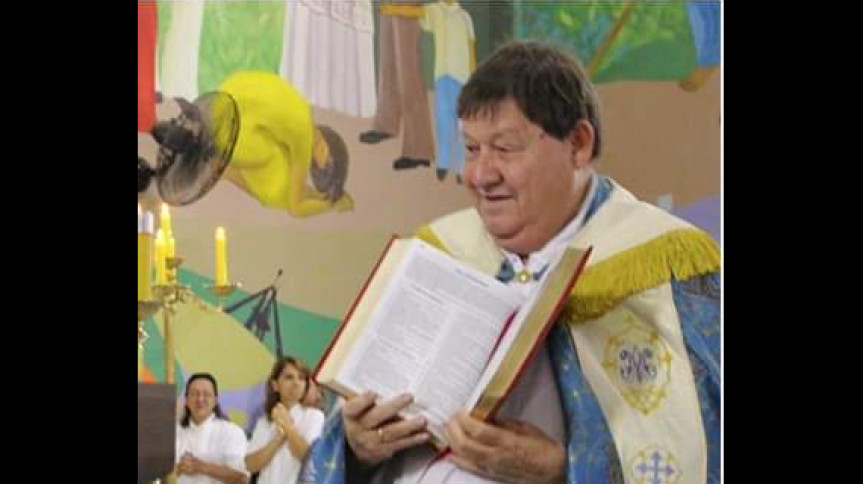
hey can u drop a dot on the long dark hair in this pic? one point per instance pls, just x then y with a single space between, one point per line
272 396
184 422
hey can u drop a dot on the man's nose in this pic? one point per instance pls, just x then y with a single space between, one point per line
486 172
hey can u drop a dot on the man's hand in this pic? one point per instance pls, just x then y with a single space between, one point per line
374 433
511 450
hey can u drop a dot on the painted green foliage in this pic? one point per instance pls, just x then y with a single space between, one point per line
236 35
239 36
654 42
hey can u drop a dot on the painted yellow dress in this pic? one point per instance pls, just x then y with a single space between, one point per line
274 152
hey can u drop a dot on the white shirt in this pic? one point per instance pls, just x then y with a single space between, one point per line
284 467
216 441
534 399
553 249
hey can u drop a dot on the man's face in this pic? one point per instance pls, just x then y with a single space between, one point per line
201 399
524 180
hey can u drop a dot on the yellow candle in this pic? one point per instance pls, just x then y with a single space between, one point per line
165 222
170 252
161 252
221 258
145 266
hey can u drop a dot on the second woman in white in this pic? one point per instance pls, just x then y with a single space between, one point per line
283 434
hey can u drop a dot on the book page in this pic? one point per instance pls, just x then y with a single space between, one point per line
431 334
358 316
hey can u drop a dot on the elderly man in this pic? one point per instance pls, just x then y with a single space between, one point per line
626 387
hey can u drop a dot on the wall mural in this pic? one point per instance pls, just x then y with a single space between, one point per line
348 135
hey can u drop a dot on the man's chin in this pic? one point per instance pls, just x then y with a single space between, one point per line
498 226
505 235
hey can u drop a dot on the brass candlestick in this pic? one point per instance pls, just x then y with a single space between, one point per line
147 309
173 263
223 291
170 294
167 296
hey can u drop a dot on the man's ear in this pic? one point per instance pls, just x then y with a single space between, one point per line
582 138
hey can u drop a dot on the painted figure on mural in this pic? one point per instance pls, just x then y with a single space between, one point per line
454 59
328 54
402 98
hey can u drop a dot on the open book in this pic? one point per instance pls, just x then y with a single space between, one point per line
451 335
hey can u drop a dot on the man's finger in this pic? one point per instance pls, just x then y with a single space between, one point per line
410 441
465 445
478 430
358 405
385 411
403 428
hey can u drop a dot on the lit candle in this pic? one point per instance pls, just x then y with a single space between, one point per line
221 258
170 252
161 250
145 260
165 220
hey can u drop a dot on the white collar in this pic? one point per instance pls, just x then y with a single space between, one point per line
194 426
537 261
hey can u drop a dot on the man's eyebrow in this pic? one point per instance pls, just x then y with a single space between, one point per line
507 132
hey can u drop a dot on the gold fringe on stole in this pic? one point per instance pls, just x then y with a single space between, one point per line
678 254
426 234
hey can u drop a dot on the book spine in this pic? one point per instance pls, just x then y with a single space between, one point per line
484 410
